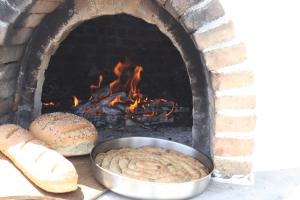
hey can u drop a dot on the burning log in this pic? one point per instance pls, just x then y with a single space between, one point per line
99 112
122 102
106 101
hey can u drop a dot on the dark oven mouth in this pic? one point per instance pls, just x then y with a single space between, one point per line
124 76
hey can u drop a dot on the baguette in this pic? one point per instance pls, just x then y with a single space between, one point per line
45 167
66 133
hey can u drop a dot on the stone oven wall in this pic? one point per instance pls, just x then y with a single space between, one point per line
227 73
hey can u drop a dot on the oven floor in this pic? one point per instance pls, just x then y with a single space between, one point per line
269 185
178 134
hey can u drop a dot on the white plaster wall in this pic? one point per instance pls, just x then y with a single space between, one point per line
271 31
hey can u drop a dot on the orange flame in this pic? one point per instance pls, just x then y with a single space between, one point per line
133 106
93 88
76 101
127 80
118 70
130 84
115 101
172 110
134 93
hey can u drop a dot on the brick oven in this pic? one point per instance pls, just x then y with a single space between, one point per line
52 50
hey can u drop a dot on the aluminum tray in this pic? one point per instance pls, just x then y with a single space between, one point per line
144 189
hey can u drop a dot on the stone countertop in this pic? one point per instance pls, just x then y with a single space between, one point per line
268 185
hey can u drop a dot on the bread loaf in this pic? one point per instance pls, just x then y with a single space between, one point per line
45 167
68 134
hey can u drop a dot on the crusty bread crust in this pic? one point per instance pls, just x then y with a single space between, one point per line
43 166
69 134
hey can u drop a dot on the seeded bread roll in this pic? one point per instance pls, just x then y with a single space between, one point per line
43 166
68 134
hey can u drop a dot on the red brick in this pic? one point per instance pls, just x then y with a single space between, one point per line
10 53
44 6
226 56
180 6
235 102
222 81
31 20
212 37
234 124
228 167
232 146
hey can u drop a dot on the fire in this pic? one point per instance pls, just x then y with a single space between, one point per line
49 104
133 106
118 71
132 79
76 101
93 88
125 90
115 101
134 93
171 111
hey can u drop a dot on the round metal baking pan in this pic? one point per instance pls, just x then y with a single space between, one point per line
144 189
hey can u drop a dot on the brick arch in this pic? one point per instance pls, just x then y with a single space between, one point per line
203 21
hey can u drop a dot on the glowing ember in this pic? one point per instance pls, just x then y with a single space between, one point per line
49 104
149 114
171 111
76 101
115 101
133 106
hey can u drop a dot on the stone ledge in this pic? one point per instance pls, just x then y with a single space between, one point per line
232 80
234 124
212 37
10 53
8 71
232 146
235 102
227 56
194 19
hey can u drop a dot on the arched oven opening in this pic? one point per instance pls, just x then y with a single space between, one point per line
123 75
145 63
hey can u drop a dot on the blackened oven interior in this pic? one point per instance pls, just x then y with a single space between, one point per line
97 45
